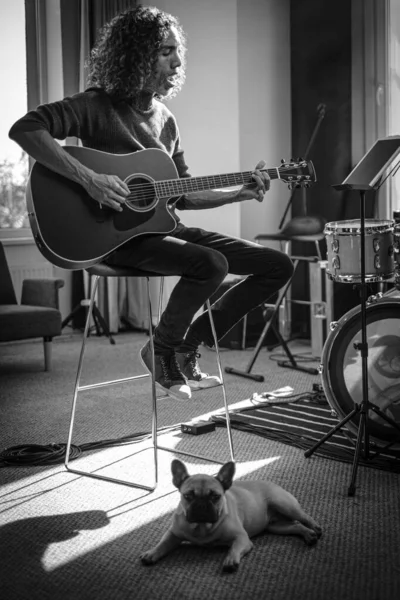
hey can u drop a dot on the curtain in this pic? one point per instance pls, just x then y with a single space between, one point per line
36 48
122 301
369 75
102 11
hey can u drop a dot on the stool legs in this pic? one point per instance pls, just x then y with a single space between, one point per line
78 388
154 431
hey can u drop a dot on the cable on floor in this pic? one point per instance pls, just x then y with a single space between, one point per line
36 454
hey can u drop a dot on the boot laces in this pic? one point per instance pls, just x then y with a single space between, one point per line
170 367
192 360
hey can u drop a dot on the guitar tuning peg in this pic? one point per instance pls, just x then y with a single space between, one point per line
283 160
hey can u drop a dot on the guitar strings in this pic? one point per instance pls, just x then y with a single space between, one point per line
230 177
231 180
145 191
168 186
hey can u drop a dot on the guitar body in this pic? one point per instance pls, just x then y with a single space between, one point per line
71 229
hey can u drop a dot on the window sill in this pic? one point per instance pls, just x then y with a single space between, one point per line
16 237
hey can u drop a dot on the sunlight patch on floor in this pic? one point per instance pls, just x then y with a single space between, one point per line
140 513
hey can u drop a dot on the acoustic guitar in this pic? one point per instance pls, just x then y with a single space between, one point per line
73 232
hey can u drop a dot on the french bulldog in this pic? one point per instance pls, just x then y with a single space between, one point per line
217 511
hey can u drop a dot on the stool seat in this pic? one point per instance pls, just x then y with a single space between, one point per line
104 270
298 229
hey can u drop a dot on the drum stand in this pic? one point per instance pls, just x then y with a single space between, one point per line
360 410
271 314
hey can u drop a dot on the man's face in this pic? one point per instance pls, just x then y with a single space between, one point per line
167 66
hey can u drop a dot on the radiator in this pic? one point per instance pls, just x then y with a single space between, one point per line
34 271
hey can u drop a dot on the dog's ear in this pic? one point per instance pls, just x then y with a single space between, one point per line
226 474
179 473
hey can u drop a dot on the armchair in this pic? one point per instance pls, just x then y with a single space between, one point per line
36 316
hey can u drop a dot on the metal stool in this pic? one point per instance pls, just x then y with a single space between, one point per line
102 270
298 229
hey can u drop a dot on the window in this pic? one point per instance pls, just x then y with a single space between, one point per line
13 104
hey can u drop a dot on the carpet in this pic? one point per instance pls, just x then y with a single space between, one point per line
303 423
67 537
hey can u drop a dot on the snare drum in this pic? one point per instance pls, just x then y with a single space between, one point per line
343 240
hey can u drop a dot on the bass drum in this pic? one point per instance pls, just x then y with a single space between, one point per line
341 365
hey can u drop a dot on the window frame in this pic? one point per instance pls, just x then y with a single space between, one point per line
36 83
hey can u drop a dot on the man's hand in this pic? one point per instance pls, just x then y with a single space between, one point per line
109 190
263 182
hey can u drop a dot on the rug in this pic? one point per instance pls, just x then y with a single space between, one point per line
303 423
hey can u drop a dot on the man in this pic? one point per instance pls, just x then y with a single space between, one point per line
138 60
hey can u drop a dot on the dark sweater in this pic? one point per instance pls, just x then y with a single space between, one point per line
115 127
119 128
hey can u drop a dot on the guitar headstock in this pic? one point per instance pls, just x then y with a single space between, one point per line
297 173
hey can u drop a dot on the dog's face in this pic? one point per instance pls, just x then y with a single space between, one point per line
202 496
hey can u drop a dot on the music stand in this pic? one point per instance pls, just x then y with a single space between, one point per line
365 176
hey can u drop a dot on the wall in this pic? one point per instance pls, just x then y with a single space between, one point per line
207 107
235 106
264 103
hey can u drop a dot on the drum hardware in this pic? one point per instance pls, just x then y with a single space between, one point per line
318 309
396 218
270 323
374 298
369 169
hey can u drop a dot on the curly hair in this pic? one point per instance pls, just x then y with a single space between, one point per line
127 50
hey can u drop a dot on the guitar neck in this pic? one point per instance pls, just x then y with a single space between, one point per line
176 187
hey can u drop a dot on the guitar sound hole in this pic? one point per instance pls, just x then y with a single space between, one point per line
143 194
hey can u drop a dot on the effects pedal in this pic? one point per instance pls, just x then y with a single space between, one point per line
198 428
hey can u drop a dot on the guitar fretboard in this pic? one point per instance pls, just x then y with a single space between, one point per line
176 187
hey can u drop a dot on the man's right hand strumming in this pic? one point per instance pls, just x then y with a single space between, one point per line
107 190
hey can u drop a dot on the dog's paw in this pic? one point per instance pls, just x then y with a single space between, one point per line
318 530
311 537
230 565
149 558
311 524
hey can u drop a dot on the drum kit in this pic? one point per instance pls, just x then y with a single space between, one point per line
361 356
361 379
340 362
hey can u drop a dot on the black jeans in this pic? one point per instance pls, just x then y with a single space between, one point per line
202 259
